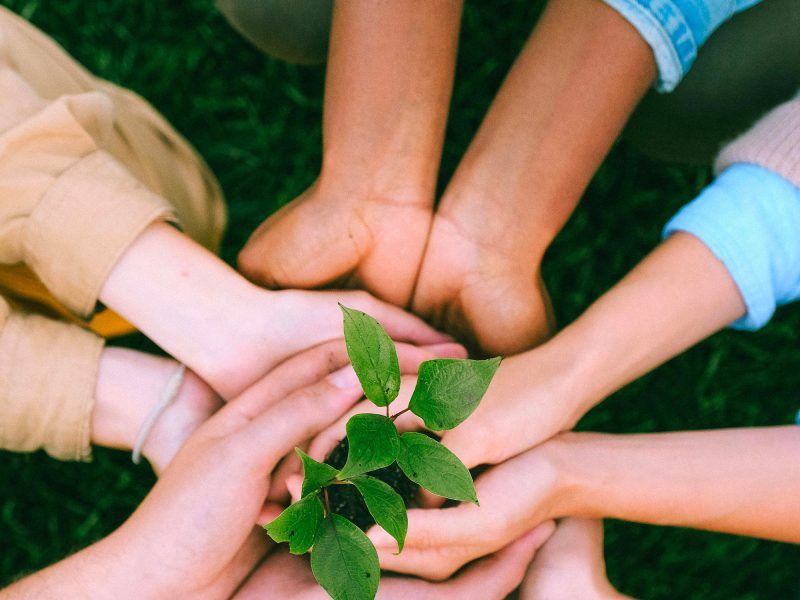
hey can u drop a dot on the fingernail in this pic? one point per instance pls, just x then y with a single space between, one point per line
344 379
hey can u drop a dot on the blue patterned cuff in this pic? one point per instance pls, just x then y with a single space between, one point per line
676 29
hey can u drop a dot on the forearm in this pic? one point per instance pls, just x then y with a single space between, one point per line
564 102
92 573
129 385
678 295
191 304
390 76
740 481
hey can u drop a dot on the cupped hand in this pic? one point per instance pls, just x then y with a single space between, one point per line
331 238
493 578
193 536
531 399
514 496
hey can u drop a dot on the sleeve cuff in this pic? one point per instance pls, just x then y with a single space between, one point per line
675 30
48 374
84 223
750 220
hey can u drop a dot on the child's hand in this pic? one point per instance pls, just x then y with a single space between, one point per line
227 330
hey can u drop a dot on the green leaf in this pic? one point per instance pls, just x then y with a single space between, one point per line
428 463
373 355
344 561
385 505
373 442
298 524
450 389
315 474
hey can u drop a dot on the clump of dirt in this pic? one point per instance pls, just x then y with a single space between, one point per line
345 500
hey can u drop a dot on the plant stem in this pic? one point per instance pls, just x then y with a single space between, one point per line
327 501
394 417
387 411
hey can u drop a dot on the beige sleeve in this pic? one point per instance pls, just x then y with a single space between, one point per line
68 209
48 372
773 143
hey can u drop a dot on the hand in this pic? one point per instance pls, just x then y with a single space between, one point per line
227 330
326 238
193 535
515 497
478 289
532 397
493 578
570 565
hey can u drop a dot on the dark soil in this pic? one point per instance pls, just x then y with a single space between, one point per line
346 500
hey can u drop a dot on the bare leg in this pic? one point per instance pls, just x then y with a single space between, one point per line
563 103
365 221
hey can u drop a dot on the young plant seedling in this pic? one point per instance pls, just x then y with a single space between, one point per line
343 560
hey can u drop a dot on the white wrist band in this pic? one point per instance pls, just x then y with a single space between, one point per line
167 397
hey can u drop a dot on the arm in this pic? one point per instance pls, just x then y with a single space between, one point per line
224 328
365 220
741 481
675 297
188 538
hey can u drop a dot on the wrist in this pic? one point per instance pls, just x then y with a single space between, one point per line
129 385
374 183
190 303
574 457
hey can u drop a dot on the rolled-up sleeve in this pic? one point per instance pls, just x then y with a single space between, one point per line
48 373
68 209
676 29
749 217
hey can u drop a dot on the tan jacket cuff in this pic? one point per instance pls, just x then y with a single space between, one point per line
773 143
84 223
48 373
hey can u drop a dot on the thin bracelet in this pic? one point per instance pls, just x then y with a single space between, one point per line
168 395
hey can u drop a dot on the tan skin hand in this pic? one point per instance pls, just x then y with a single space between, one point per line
368 220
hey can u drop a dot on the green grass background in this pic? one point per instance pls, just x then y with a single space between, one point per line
257 122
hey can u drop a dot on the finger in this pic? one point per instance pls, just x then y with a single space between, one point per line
434 528
290 465
268 513
300 370
295 484
327 440
302 415
398 323
498 575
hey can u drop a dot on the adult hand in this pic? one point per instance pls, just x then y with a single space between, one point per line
493 578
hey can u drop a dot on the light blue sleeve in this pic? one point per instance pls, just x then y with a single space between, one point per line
676 29
750 219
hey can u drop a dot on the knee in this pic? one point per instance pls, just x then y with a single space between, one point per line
296 31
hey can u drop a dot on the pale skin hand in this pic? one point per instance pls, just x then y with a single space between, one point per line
365 221
228 331
678 295
570 565
193 536
534 154
493 578
702 480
